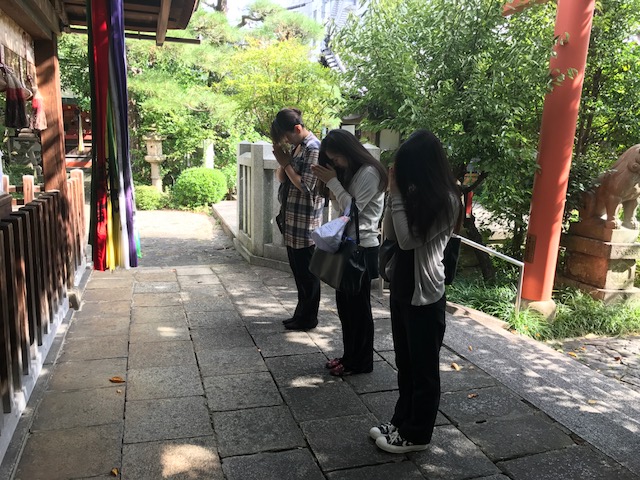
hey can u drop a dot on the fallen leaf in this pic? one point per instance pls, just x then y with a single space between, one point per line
573 354
116 380
591 402
472 395
618 358
115 472
456 367
470 348
119 390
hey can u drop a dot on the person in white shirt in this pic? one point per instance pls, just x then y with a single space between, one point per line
350 171
423 207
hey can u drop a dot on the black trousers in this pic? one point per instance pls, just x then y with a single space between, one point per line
418 332
357 328
308 284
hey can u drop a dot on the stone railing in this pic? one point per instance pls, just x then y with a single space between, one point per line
258 238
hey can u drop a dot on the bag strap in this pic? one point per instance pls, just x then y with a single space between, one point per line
353 216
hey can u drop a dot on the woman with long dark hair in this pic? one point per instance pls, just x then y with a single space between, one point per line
350 171
301 209
423 207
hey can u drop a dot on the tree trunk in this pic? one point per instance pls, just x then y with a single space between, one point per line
486 267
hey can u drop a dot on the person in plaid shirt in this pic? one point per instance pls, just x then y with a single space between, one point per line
302 204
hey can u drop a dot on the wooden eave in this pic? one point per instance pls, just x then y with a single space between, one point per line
44 18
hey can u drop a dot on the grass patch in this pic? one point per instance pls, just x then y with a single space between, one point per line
578 314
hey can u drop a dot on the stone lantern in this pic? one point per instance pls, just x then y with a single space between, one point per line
155 158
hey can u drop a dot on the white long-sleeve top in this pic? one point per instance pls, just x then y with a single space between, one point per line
428 253
369 200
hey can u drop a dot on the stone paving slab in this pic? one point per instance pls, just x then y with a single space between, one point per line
164 331
242 432
166 419
184 459
248 390
285 343
77 349
163 382
382 378
287 465
161 354
155 314
343 442
482 404
452 456
332 400
156 299
107 294
230 361
156 287
99 327
220 338
396 470
114 308
87 374
80 408
146 276
87 452
223 318
299 370
191 281
567 464
502 439
195 270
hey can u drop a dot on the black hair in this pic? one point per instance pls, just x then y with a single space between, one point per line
345 143
285 121
426 183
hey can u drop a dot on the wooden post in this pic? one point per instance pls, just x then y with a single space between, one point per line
6 385
27 188
12 303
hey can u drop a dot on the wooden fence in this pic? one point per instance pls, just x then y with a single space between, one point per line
42 246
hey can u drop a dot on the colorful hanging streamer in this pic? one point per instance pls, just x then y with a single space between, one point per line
113 233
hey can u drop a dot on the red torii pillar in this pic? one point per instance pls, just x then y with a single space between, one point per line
557 132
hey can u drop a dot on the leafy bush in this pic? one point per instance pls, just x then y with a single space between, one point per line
577 313
199 186
149 198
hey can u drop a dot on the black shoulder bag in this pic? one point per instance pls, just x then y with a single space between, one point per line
344 269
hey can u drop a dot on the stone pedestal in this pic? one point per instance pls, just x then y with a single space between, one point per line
155 158
601 261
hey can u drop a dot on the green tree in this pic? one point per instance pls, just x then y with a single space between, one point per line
262 79
478 80
74 67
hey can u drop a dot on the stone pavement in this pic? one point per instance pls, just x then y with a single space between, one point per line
214 388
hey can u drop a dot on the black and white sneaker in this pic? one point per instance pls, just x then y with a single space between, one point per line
394 443
384 429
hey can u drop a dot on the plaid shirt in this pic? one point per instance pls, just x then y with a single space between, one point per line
303 212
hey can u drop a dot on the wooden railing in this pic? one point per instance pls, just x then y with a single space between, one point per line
29 189
42 246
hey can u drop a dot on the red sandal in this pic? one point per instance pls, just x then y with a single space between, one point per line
340 371
333 363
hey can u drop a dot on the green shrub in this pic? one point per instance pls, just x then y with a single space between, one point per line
149 198
199 186
231 173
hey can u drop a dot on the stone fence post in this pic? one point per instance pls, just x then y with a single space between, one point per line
259 239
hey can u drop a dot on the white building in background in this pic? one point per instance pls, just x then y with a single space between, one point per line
323 11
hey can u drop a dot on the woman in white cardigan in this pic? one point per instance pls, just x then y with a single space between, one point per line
349 171
421 213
